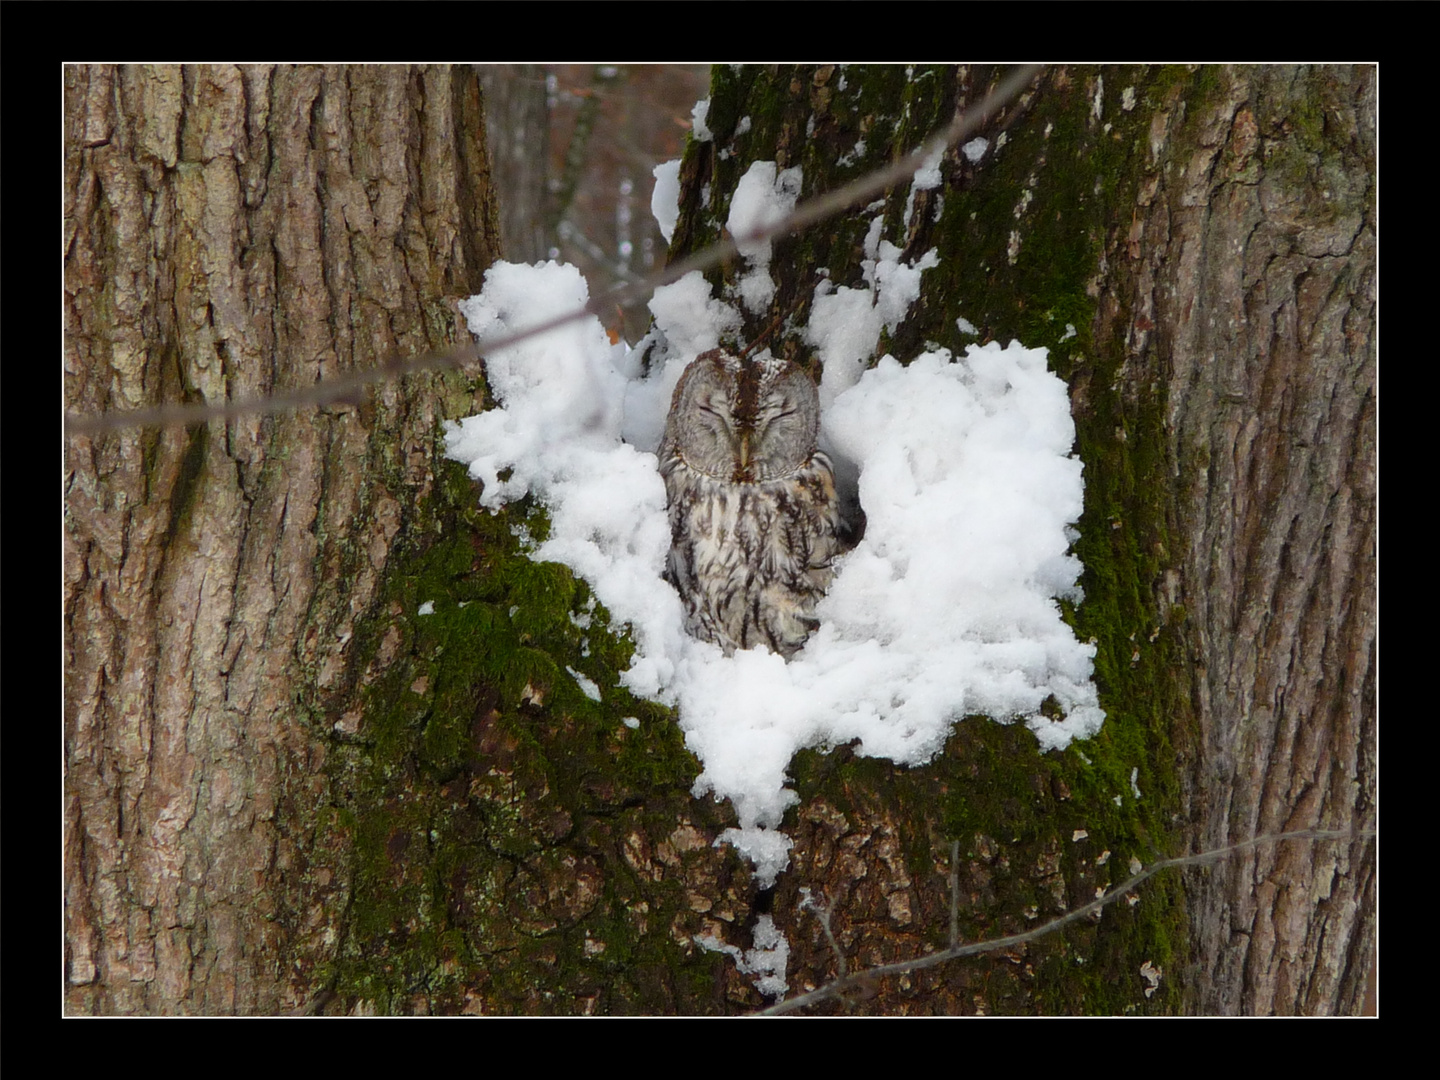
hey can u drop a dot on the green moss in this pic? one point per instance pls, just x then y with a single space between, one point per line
1087 178
484 786
1065 184
488 801
1015 810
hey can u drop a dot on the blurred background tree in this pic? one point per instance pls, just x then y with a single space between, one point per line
574 146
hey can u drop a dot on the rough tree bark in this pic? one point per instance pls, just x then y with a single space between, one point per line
1258 275
232 231
289 788
1196 247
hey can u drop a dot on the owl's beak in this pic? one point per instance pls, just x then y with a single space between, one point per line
744 449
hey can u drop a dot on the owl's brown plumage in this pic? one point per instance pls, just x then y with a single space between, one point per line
754 520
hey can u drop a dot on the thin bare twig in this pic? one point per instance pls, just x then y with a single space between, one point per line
954 893
840 985
343 388
346 386
822 912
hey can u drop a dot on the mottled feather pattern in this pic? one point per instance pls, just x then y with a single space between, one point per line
754 518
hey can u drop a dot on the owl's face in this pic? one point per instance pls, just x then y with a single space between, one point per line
744 421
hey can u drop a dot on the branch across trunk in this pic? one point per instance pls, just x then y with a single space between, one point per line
321 749
233 231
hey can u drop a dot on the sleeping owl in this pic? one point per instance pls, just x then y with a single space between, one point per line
754 520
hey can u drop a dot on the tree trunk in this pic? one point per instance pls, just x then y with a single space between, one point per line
518 124
291 785
1196 248
1260 283
322 749
232 232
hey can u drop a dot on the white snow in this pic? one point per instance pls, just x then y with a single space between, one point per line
946 608
586 684
854 154
767 959
928 175
697 121
665 199
762 197
845 323
926 178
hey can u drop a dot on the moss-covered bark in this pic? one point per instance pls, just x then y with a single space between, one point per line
450 823
1107 220
520 847
1019 236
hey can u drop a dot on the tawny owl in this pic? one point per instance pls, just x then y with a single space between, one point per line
754 520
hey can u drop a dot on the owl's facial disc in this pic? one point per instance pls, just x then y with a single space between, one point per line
745 421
